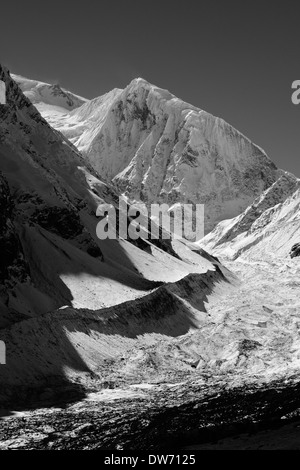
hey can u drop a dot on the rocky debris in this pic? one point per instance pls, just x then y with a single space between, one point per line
165 418
295 250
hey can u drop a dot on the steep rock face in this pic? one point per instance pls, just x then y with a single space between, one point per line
43 192
157 148
295 250
268 227
12 267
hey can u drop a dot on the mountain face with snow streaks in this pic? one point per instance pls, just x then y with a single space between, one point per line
46 97
269 227
156 148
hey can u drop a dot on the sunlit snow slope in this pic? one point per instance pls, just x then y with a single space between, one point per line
268 228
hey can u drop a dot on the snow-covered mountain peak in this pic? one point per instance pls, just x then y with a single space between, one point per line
141 89
155 147
48 97
139 81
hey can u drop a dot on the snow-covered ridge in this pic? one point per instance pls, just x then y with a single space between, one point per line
48 98
157 148
268 227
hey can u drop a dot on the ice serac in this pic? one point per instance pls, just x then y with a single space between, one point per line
157 148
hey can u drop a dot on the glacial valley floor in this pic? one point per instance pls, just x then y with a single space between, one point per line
233 383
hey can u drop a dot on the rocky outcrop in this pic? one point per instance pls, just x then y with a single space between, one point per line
12 264
295 250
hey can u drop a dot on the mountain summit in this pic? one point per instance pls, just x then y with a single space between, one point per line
155 147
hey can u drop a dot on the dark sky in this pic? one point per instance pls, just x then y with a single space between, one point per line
236 60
